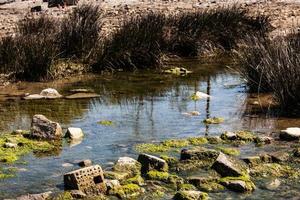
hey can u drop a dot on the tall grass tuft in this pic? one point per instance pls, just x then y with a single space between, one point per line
222 28
273 66
30 54
79 36
136 45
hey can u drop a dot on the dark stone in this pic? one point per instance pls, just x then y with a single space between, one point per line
198 154
150 162
43 128
36 9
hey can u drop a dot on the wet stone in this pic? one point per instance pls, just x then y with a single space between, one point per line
74 133
237 185
127 165
296 152
290 134
150 162
279 156
273 184
112 184
190 195
199 153
82 95
229 136
252 160
263 140
85 163
10 145
43 128
226 166
89 180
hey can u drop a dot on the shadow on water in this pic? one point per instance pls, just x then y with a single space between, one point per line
143 106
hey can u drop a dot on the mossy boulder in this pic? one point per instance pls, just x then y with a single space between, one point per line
238 184
229 151
214 140
150 162
199 153
135 180
246 136
206 184
190 195
262 140
128 191
157 175
127 165
169 159
275 170
186 186
120 176
296 152
197 140
228 166
176 143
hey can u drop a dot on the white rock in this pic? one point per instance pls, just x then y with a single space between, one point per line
292 133
202 95
74 133
50 93
10 145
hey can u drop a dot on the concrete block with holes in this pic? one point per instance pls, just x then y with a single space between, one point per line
89 180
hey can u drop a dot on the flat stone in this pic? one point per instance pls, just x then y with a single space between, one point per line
237 185
43 128
33 97
290 134
41 196
85 163
190 195
279 156
199 154
150 162
66 165
226 166
74 133
82 96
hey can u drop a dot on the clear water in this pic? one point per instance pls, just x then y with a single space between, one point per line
144 106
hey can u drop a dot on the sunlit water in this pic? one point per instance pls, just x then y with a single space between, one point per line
144 106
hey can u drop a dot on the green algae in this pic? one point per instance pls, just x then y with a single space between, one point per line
64 196
214 120
245 136
157 175
186 186
197 140
151 148
106 123
190 195
127 191
249 184
275 170
138 180
229 151
211 187
176 143
116 175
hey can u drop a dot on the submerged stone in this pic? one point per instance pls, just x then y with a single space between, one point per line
263 140
214 120
229 151
246 136
151 148
150 162
190 195
273 184
207 184
290 134
226 166
43 128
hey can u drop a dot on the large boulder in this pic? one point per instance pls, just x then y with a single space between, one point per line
43 128
150 162
290 134
74 133
226 166
190 195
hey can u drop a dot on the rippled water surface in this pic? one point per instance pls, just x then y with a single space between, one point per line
144 106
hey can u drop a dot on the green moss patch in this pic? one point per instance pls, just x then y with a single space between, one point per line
151 148
229 151
186 187
159 176
275 170
127 191
106 123
176 143
214 120
197 140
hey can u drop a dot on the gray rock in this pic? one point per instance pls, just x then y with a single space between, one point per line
252 160
43 128
190 195
74 133
227 135
77 194
42 196
10 145
238 185
226 166
199 153
290 134
85 163
279 156
81 90
150 162
263 140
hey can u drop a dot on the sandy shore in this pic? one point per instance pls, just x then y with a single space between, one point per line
284 14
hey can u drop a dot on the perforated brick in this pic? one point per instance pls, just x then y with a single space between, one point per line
89 180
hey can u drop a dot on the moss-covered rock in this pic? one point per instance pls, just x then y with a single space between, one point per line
190 195
198 153
246 136
229 151
120 176
214 120
169 159
176 143
214 140
252 160
128 191
106 123
197 140
238 184
186 186
150 162
138 180
157 175
206 184
275 170
127 165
